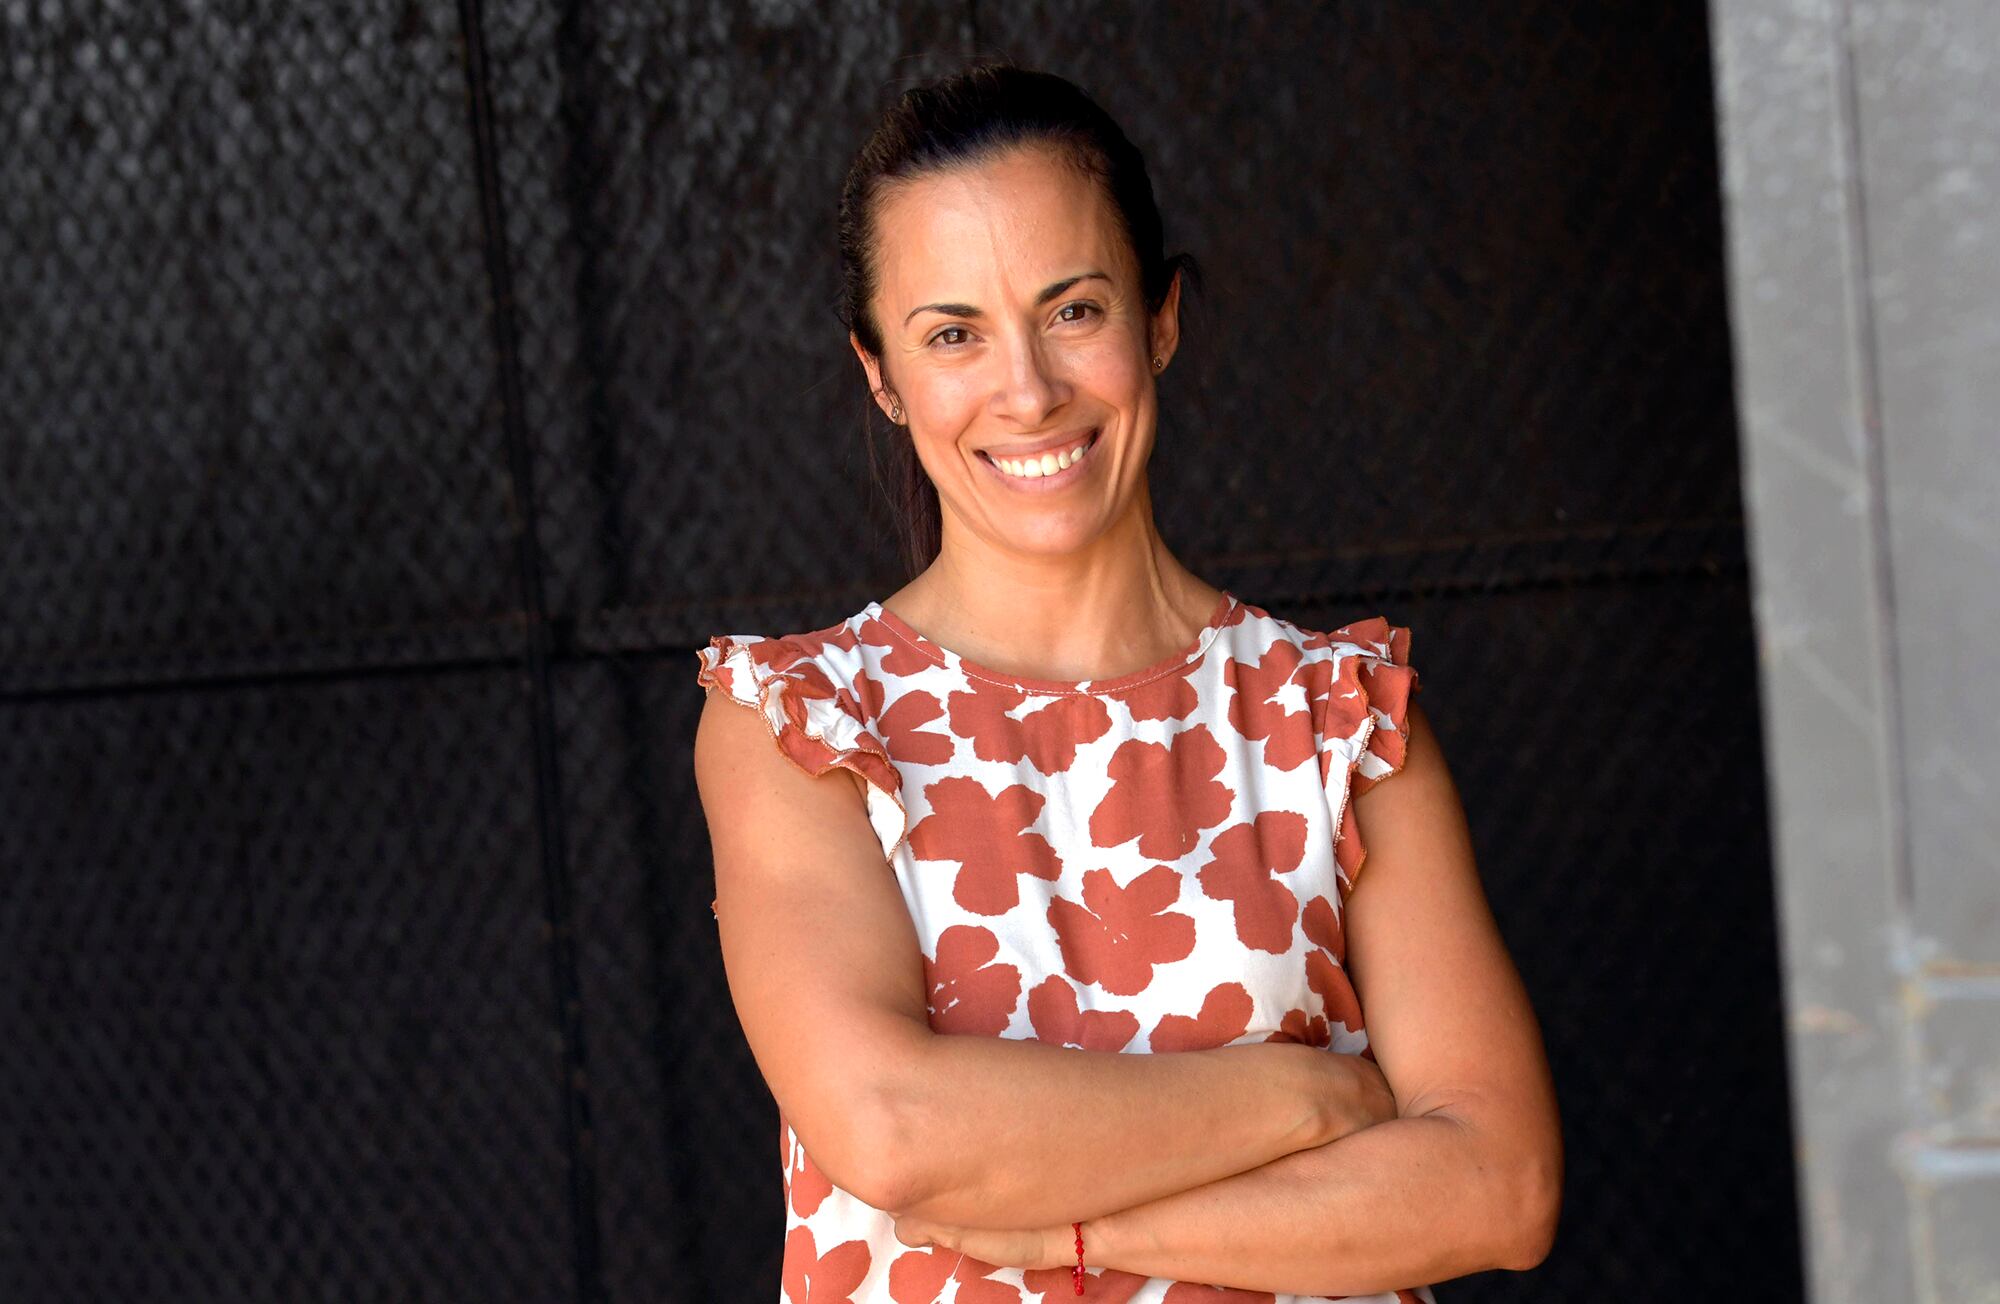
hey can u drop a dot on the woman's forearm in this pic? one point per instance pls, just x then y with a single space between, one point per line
1404 1203
999 1132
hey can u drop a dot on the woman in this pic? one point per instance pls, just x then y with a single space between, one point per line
1123 815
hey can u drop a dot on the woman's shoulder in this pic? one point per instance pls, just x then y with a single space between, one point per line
784 651
1374 638
818 702
828 662
1354 681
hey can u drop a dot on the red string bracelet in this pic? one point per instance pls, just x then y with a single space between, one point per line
1077 1272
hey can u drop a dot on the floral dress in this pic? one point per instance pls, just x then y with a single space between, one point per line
1150 863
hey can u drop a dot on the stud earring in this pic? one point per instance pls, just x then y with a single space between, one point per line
896 412
1158 362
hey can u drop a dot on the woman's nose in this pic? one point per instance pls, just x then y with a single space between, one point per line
1032 384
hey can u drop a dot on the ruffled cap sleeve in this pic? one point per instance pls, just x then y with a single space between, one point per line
1366 732
808 699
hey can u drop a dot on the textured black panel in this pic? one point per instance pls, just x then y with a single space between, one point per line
687 1132
245 372
679 294
277 1020
1465 264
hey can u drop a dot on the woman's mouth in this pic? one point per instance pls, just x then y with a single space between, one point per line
1050 470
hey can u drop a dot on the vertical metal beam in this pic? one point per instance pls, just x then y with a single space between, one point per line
557 898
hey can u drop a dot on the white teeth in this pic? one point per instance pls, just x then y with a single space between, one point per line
1034 468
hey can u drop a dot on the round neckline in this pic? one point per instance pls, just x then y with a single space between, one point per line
1218 618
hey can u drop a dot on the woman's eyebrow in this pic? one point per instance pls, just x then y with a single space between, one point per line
967 310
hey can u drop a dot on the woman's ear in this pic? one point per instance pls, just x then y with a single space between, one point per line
872 366
1164 330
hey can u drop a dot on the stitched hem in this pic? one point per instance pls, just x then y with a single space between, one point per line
1221 617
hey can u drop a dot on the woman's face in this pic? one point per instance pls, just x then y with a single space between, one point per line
1013 331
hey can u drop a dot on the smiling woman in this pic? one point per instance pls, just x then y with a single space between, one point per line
1038 351
1068 310
1099 1026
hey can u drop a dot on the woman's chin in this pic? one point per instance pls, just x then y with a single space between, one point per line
1063 534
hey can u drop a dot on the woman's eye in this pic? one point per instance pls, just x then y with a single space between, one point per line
952 337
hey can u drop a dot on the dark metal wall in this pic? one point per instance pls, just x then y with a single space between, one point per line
394 394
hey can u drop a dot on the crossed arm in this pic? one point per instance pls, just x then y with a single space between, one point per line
1288 1168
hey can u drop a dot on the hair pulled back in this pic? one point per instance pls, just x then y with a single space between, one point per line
958 120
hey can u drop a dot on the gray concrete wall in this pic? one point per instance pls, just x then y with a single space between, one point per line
1860 146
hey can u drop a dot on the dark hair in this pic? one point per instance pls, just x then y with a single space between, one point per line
957 120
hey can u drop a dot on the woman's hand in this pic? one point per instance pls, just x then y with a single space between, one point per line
1040 1247
1362 1095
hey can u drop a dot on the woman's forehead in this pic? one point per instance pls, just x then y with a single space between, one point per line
1021 216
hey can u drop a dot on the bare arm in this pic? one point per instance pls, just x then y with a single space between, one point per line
826 973
1021 1133
1470 1177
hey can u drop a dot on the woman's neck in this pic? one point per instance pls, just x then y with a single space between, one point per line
1126 604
